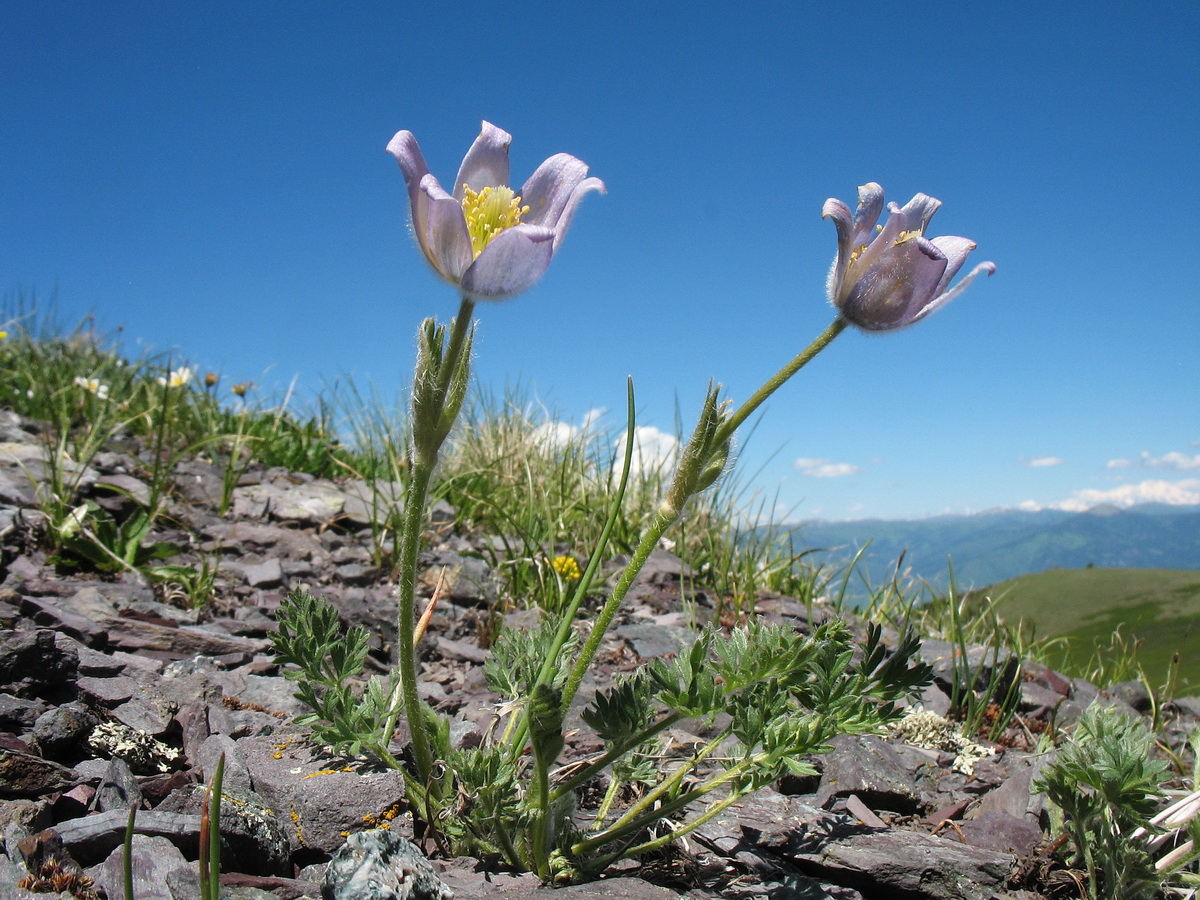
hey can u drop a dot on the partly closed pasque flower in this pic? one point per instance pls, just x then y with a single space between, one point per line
890 277
491 241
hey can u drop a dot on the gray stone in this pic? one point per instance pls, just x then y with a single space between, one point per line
253 836
899 863
995 830
867 766
128 491
33 815
1189 706
81 626
32 662
199 482
316 503
154 859
181 642
62 732
26 775
266 574
468 578
118 789
18 713
651 640
323 797
380 865
1132 693
1035 697
91 839
834 848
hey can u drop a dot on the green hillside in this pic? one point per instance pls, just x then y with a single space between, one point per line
1159 607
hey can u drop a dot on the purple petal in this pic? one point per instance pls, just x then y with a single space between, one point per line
486 163
513 261
445 240
550 187
564 219
843 221
870 207
938 302
897 222
956 249
408 154
895 291
919 210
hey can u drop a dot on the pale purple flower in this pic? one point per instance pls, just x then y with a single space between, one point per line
887 278
491 241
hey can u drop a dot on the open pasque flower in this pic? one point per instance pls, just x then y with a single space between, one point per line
491 241
890 277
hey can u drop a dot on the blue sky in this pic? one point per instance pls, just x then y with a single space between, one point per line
211 177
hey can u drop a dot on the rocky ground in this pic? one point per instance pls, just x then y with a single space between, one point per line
113 694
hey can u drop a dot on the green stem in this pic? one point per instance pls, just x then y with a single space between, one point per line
649 804
518 727
667 516
406 656
610 756
410 539
715 810
630 824
777 380
663 519
542 824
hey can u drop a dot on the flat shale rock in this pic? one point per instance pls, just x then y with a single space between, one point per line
771 830
868 767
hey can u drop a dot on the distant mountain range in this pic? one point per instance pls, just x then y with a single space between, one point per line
994 546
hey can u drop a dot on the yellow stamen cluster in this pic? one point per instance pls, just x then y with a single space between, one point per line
906 236
567 567
489 212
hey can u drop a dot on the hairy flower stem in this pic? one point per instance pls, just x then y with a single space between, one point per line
423 464
669 513
663 519
517 731
779 378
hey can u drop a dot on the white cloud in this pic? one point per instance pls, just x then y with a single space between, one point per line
1173 460
1030 506
556 435
805 462
1174 493
652 449
1118 464
592 416
1044 462
831 470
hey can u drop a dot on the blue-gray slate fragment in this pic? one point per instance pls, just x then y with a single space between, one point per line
380 865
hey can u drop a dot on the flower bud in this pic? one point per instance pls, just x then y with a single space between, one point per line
705 456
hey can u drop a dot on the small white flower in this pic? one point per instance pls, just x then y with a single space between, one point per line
94 385
176 377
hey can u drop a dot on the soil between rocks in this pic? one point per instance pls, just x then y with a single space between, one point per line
114 695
